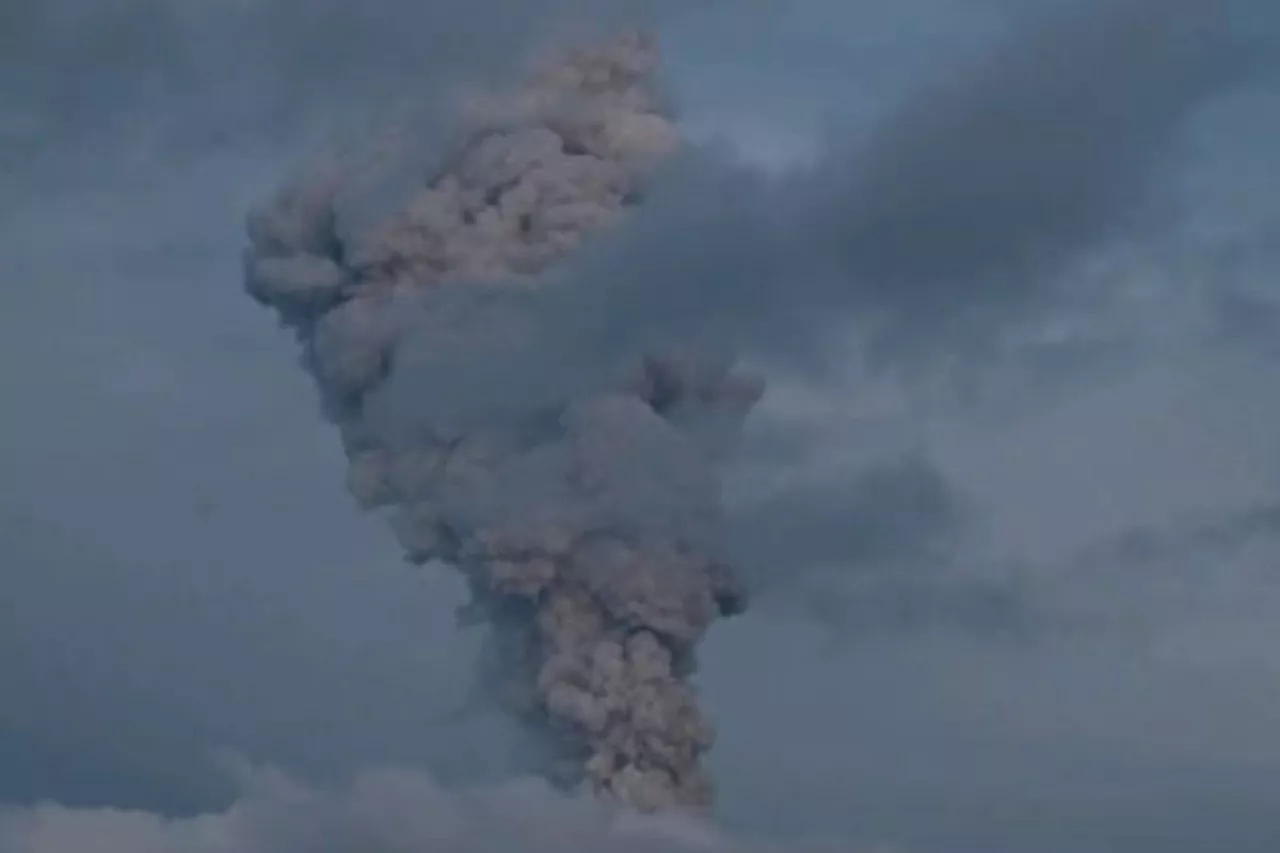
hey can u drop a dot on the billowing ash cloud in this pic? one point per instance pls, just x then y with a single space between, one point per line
545 398
103 703
389 811
586 525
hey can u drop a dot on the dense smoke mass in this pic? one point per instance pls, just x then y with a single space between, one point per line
587 529
1006 517
551 418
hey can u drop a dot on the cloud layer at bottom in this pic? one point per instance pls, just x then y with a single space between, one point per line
388 811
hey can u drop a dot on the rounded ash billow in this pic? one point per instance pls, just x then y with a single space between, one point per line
586 526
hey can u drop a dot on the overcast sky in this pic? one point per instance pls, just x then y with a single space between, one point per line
1012 597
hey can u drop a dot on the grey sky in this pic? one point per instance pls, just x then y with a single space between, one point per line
183 573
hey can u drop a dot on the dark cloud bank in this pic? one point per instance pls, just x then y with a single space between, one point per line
939 244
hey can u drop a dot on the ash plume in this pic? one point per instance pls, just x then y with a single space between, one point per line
587 526
531 408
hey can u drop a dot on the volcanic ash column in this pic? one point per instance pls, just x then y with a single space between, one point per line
585 520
